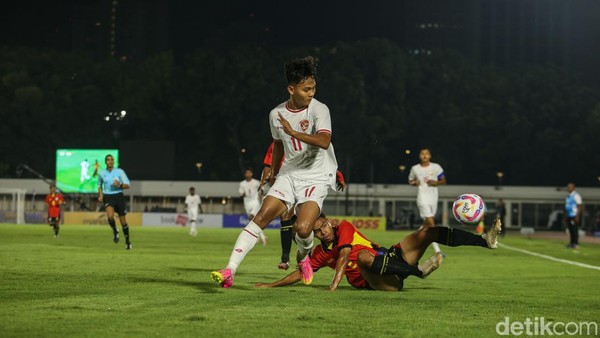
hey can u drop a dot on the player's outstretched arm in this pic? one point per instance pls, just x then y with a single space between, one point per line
292 278
340 268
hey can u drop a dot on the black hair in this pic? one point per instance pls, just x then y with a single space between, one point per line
106 157
300 69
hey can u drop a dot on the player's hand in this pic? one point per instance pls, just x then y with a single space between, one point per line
340 181
432 183
332 288
116 183
287 128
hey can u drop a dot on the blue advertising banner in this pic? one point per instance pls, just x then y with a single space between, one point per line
240 221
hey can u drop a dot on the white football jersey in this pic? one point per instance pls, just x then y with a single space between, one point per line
193 202
250 190
303 161
433 172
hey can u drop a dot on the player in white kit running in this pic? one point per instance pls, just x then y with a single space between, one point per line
250 191
301 130
427 176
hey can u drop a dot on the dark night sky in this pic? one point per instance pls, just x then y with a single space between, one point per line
36 23
193 24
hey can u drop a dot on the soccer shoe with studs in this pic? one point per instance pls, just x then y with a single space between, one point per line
116 237
491 237
223 277
128 246
306 270
431 264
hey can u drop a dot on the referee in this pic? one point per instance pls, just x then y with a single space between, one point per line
111 182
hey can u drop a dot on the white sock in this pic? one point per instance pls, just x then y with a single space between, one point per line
245 242
436 247
193 226
304 246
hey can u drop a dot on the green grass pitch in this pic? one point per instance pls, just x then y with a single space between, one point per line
84 285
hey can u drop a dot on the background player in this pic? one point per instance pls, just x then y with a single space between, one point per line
192 204
366 265
85 166
427 176
250 191
301 129
54 200
111 182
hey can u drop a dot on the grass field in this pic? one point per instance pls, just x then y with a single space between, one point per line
84 285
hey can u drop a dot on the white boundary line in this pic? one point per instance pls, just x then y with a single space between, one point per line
593 267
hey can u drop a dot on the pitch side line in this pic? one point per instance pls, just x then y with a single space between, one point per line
593 267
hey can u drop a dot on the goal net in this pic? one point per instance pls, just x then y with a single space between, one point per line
12 205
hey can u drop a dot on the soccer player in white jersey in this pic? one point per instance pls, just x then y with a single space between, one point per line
192 204
427 176
85 165
249 190
301 130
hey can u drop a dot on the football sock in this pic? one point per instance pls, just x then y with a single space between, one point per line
126 233
456 237
245 242
286 239
304 245
436 247
389 265
111 222
56 229
193 225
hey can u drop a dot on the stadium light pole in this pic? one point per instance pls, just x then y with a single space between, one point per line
500 176
199 169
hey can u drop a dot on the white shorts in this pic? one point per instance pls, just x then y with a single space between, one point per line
252 207
427 210
192 215
297 192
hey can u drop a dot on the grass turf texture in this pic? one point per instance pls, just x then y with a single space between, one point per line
84 285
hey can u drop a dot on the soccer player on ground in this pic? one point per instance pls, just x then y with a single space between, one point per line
111 182
192 204
427 176
301 129
54 200
366 265
250 191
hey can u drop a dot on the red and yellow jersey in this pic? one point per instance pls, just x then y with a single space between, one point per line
346 236
268 160
54 202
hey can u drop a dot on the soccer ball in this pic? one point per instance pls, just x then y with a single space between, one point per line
468 208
